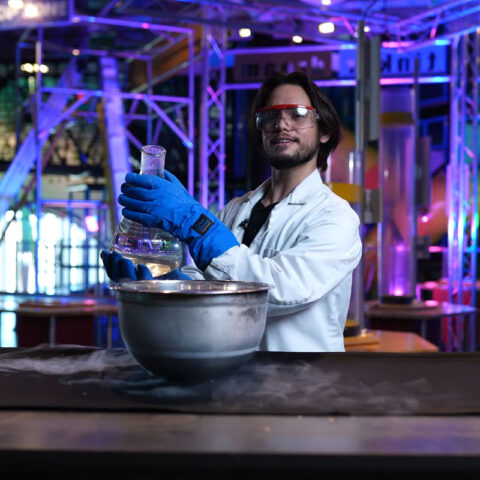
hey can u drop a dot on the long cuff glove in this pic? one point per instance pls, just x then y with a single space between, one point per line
121 268
164 202
174 275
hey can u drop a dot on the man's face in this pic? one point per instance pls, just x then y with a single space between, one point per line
286 147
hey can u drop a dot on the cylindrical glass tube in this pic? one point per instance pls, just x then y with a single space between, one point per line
160 251
397 231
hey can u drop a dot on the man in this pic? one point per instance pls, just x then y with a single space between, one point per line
292 232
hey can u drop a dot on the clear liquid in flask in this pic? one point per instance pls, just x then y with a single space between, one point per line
160 251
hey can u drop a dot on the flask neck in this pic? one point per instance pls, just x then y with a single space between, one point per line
151 167
152 160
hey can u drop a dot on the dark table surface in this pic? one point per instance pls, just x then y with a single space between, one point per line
88 413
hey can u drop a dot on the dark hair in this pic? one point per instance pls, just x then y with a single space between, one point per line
328 122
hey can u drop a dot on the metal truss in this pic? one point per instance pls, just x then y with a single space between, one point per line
462 184
171 117
173 112
212 119
416 22
449 20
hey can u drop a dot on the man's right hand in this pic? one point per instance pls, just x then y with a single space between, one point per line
121 268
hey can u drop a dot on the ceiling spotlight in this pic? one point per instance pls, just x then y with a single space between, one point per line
245 32
326 2
366 28
16 4
27 67
44 68
76 52
31 10
297 39
326 27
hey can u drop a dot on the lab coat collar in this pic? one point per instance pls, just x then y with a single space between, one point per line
305 190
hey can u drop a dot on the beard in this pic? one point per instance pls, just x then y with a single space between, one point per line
284 161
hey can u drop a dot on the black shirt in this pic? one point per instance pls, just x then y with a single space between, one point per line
258 217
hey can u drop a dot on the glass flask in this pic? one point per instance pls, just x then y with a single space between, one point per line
160 251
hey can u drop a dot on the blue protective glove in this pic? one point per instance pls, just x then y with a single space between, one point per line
174 275
121 268
164 202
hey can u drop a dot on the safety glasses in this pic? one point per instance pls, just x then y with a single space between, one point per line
295 117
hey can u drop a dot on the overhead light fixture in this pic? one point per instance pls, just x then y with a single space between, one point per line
27 67
245 32
30 68
326 27
15 4
76 52
326 2
31 10
297 39
366 28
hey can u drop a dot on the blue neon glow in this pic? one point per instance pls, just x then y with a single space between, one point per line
437 79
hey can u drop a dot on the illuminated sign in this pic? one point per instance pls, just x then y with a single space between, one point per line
337 64
33 13
251 68
433 61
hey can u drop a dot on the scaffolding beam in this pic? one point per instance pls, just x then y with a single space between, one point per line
462 179
212 119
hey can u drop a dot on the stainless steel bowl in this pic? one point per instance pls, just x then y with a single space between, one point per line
191 330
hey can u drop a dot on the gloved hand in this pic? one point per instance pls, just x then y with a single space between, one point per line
121 268
174 275
164 202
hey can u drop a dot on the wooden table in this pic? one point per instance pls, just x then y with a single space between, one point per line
73 444
411 316
388 341
105 445
54 306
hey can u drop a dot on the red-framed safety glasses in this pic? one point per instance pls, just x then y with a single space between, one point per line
295 117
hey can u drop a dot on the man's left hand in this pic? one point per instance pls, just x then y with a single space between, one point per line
164 202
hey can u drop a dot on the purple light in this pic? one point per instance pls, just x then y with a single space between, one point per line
145 25
91 223
400 248
399 291
425 218
410 81
396 44
431 303
436 249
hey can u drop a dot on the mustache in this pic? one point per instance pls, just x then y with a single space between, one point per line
283 137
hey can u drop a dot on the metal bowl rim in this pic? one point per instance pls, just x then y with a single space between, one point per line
243 287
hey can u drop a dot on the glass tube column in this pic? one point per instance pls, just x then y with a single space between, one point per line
397 232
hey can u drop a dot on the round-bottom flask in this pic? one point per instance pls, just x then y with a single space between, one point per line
160 251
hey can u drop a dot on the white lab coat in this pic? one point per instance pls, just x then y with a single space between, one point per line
306 251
